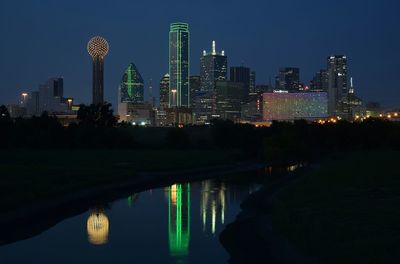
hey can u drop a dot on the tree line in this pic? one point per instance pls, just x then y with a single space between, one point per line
281 143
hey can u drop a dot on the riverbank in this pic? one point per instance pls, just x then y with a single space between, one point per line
95 177
343 211
28 176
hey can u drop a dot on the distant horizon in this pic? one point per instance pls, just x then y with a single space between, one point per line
365 33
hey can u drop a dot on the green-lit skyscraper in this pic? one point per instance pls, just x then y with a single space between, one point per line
179 64
131 87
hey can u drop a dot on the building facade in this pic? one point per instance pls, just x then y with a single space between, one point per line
213 67
286 106
131 88
288 79
164 91
179 65
241 74
229 99
320 81
136 114
253 82
337 82
51 96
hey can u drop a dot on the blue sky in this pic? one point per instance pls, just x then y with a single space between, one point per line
47 38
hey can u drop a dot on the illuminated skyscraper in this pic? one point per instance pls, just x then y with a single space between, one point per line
337 82
164 91
98 49
179 65
213 67
131 88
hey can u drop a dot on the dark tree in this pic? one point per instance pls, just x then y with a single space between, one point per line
100 115
4 114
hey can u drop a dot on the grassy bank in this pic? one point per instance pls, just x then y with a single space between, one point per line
346 211
28 176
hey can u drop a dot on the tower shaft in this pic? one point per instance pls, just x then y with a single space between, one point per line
98 80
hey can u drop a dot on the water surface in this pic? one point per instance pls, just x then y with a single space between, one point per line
180 223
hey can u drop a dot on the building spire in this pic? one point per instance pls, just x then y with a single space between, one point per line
214 52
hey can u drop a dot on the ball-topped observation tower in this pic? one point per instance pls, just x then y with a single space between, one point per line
98 48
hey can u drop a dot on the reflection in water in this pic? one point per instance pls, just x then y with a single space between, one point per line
179 219
98 228
213 198
132 199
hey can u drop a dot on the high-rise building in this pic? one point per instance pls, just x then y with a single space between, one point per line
50 96
131 88
252 82
241 75
152 98
33 105
229 99
337 81
98 48
213 67
179 65
288 79
164 91
204 107
320 81
195 86
57 85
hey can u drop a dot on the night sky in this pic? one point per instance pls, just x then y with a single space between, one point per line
45 38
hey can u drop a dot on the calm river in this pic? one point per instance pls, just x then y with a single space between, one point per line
180 223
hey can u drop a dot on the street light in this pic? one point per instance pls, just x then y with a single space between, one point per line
70 100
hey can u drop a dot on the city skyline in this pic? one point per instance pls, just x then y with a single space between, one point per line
362 42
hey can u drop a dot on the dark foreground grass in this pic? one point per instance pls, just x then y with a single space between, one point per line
30 176
347 211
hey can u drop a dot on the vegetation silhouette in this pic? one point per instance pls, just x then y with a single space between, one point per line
279 144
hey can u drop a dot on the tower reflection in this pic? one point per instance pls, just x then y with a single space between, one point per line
179 219
212 203
98 228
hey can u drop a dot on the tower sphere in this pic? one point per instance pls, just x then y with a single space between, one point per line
97 46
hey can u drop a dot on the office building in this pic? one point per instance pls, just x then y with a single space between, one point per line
131 88
320 81
229 98
337 82
288 79
241 75
33 107
136 114
179 65
164 91
213 67
252 82
50 96
204 107
195 86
